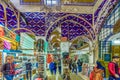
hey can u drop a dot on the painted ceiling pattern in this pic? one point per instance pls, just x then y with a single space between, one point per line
41 25
64 2
103 12
2 21
72 25
36 23
11 18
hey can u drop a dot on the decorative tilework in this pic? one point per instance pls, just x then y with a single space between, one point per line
21 30
36 23
103 12
39 24
11 18
2 21
70 24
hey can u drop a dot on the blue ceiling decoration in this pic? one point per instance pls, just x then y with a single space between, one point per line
39 24
103 13
22 30
70 24
99 9
71 30
36 23
2 21
11 18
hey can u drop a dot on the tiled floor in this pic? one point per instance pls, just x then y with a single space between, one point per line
73 76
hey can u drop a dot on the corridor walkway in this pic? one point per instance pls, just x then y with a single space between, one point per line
73 76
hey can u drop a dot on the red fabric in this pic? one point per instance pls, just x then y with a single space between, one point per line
49 58
111 68
91 75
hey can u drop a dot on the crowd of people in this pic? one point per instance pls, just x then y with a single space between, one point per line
99 71
54 65
9 69
74 66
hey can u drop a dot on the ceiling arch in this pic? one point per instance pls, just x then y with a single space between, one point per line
76 20
72 16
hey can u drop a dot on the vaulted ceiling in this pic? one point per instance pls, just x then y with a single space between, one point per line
72 24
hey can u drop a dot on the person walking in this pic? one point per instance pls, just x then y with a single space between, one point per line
8 69
28 70
74 67
98 71
113 68
79 63
70 65
59 66
55 67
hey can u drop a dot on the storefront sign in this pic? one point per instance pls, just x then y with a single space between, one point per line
12 51
116 28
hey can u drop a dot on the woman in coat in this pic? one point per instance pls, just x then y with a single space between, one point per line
97 73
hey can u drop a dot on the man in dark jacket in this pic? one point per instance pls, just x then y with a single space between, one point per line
28 70
8 69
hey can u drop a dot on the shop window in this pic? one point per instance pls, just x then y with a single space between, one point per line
51 2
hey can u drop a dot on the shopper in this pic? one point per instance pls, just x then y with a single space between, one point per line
113 68
74 67
79 63
28 70
55 67
8 69
59 66
70 65
98 71
51 67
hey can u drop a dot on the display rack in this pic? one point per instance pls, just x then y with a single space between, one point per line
42 65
